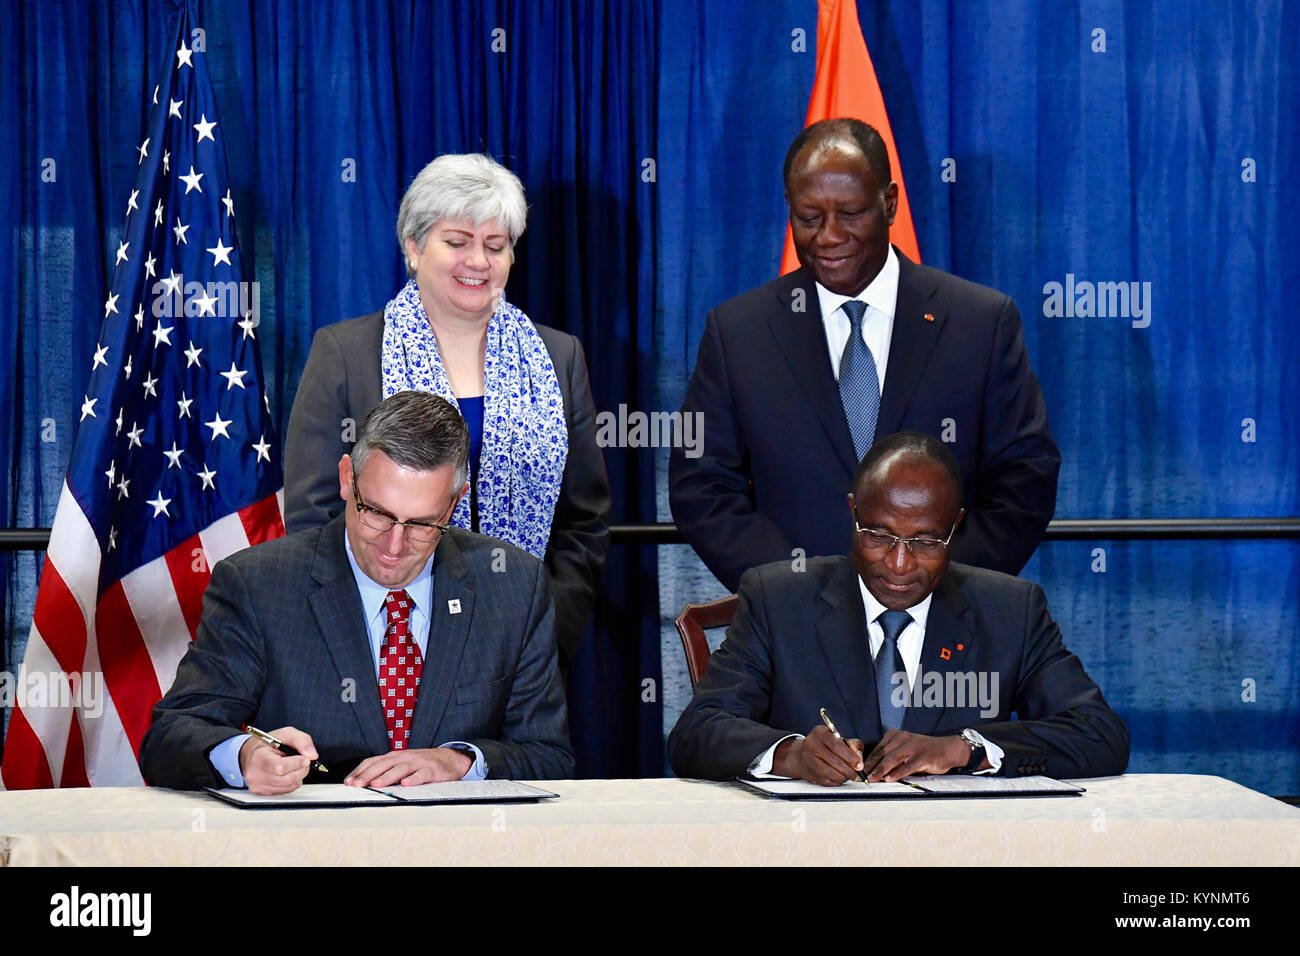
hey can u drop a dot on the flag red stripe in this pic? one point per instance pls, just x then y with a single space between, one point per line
128 668
59 619
25 765
74 758
262 520
190 573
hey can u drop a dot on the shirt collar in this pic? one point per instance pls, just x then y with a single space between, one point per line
373 594
919 612
881 292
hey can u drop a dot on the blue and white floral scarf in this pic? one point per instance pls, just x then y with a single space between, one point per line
525 435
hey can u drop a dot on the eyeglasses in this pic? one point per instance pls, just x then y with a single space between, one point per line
382 521
882 542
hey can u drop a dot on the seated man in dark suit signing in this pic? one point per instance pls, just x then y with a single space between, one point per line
919 663
389 646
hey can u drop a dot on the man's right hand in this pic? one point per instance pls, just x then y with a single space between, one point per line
269 772
819 758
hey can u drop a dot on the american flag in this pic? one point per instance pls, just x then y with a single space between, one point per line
174 465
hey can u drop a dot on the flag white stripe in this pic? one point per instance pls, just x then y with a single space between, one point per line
74 551
223 538
49 723
152 598
110 761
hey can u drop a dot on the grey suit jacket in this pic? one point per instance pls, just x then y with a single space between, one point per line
799 642
282 642
341 384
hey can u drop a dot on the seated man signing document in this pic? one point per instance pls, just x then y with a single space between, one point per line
920 664
386 645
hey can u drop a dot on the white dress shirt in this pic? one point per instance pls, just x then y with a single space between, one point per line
881 297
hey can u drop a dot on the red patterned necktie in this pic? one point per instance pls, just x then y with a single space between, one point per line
399 670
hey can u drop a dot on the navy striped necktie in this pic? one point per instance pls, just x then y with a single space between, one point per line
889 661
859 383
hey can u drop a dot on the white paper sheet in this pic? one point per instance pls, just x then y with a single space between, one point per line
466 790
850 790
307 795
990 784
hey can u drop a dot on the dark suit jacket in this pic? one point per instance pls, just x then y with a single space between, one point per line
799 642
341 381
778 457
282 642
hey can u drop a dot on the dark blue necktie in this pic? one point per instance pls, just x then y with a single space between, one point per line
888 663
859 383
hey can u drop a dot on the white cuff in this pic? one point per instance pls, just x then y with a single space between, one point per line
761 768
992 751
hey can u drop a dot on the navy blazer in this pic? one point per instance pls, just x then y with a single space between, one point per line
778 457
342 382
799 642
282 642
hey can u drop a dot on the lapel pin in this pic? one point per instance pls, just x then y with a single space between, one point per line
929 316
454 605
961 647
946 654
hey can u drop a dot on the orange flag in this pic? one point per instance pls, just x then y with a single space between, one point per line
846 85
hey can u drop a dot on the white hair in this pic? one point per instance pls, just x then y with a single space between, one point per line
461 186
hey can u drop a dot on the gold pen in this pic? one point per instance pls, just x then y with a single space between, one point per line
826 719
284 748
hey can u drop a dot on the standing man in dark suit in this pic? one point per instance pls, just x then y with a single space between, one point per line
388 645
920 664
791 401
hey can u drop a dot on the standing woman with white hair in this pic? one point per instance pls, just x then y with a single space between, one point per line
537 478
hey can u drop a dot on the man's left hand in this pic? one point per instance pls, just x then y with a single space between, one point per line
411 767
901 754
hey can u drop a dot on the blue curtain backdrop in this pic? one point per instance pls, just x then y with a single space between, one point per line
1158 150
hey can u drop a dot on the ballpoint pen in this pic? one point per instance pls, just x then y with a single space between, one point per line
826 719
284 748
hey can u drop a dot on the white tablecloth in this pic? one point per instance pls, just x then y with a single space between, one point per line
1134 820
